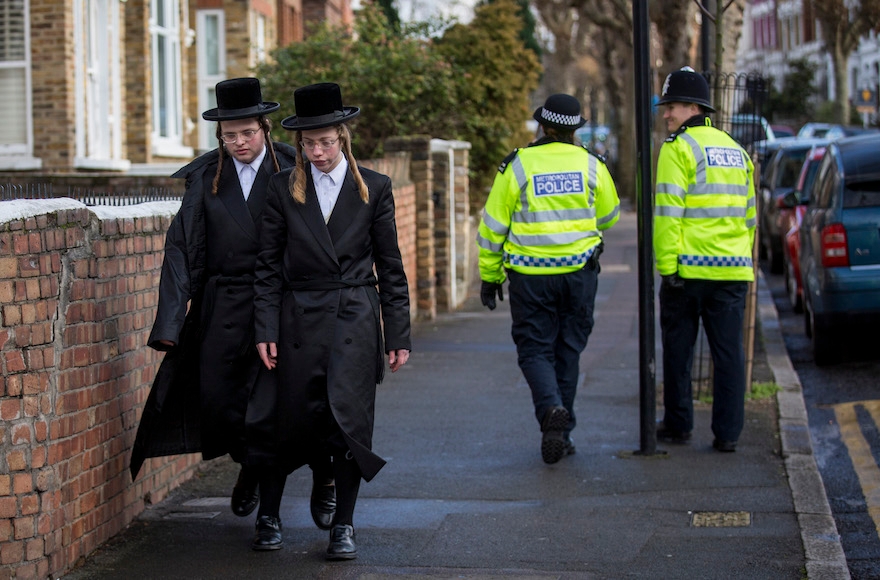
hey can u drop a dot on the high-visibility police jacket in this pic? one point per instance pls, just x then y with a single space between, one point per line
704 205
545 212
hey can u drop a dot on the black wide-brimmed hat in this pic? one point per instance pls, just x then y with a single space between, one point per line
318 106
239 99
686 86
560 111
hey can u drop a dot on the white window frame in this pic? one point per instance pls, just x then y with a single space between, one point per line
258 39
206 81
97 73
21 155
167 81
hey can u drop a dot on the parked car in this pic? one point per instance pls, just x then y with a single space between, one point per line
840 246
832 131
779 178
783 131
814 129
748 129
603 142
841 131
790 220
765 151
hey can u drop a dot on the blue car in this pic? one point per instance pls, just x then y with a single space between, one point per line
840 246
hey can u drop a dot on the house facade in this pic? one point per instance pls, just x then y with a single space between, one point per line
117 87
776 32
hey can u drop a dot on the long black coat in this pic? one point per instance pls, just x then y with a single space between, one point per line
316 297
212 393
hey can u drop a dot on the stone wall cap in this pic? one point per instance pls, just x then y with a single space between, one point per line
438 145
17 209
147 209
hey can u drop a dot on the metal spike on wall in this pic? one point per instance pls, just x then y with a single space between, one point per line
11 191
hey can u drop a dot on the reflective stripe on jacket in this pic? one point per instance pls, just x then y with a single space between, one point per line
545 212
704 206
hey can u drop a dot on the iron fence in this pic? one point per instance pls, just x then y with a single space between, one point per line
739 100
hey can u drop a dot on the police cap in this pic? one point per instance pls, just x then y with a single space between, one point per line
560 111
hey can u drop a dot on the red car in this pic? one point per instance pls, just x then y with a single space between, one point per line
790 217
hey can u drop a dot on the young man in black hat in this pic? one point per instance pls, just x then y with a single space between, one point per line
704 227
322 316
210 253
542 229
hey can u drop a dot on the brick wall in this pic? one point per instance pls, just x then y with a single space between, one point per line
423 283
78 293
396 165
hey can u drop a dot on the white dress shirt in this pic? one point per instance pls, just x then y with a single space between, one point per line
247 172
328 186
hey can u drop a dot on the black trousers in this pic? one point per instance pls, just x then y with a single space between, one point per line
721 307
552 320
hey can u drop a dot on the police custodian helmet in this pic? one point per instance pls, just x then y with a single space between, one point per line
686 86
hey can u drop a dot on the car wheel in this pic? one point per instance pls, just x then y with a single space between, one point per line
826 351
791 286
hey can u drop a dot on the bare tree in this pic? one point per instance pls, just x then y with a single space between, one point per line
561 21
611 23
843 24
728 30
674 20
592 58
601 32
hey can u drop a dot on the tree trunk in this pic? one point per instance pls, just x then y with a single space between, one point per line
841 87
673 19
617 66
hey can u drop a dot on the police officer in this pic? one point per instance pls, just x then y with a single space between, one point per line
542 229
704 225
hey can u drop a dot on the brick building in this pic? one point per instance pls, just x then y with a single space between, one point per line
118 86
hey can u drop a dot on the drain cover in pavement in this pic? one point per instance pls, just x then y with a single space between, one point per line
721 519
206 502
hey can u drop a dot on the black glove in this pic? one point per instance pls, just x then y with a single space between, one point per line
672 282
487 294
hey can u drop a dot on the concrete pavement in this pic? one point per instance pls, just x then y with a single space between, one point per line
466 495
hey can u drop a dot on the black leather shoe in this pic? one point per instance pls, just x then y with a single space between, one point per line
668 435
323 503
341 543
268 536
553 427
569 447
724 446
245 494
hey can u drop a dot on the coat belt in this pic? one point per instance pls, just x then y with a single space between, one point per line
330 284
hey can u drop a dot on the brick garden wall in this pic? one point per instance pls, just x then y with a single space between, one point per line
78 291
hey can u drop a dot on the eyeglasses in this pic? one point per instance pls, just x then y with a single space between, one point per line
324 144
246 136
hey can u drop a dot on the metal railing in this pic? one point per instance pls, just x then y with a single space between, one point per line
86 195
